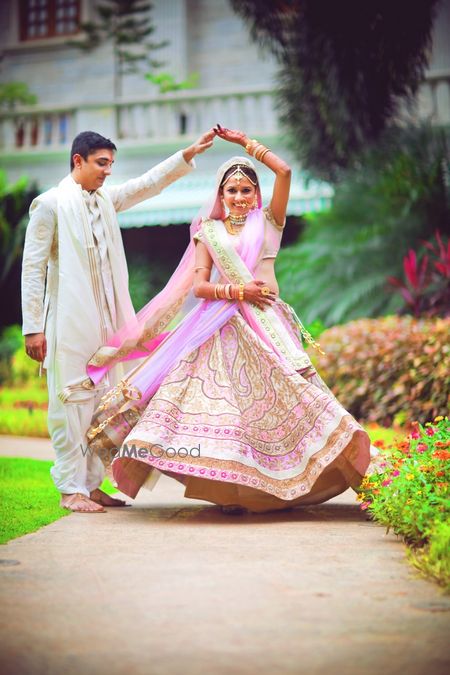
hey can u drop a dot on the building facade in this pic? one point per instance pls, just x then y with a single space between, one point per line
235 83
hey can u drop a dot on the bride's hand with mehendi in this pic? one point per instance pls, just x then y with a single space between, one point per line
231 135
258 293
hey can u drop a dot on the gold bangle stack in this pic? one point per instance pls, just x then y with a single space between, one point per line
256 149
229 292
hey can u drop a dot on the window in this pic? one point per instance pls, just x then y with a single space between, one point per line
48 18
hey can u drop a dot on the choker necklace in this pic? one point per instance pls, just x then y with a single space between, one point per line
236 219
234 224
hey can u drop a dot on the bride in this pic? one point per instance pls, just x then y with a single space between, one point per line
226 400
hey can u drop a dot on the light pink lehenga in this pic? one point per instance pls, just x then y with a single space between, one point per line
239 416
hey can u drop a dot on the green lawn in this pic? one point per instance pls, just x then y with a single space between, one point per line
28 498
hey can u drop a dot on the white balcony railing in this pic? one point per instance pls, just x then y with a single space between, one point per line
157 119
169 116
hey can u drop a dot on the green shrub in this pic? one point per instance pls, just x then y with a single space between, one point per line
23 411
146 280
11 340
409 493
399 196
379 368
25 371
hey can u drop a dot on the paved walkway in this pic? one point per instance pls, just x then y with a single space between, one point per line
173 587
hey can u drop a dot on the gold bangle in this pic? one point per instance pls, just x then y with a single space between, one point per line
259 154
250 145
263 154
259 148
241 292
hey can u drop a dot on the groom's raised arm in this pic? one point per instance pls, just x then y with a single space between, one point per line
163 174
150 183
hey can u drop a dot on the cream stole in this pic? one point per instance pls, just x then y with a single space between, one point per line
80 323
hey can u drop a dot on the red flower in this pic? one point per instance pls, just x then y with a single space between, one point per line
430 431
441 454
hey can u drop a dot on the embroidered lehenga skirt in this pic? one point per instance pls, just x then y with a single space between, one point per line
236 425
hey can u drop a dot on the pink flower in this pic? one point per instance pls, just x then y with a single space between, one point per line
365 505
415 434
387 482
421 447
430 431
395 473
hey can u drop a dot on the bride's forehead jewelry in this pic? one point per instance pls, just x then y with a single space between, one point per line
239 174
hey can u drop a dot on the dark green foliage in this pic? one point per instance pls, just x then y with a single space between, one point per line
344 69
398 197
10 341
15 200
146 279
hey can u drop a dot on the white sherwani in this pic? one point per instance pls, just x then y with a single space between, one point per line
74 288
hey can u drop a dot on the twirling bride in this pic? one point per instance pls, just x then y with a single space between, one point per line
225 372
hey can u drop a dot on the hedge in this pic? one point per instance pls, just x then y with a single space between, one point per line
389 370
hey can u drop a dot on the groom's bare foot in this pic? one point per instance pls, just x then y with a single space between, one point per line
79 503
104 499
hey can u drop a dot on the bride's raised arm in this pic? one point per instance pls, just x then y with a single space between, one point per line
281 169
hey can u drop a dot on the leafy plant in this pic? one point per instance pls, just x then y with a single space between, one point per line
11 340
425 290
166 82
15 200
15 93
400 195
379 368
146 279
409 493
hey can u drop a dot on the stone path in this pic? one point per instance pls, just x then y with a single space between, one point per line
172 586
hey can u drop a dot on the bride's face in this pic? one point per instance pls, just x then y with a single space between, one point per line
239 195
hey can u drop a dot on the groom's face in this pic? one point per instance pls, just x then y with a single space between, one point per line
92 172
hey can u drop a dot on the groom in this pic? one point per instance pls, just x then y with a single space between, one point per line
75 295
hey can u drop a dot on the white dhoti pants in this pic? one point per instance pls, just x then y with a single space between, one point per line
76 468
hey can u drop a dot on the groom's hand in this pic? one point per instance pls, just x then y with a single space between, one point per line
36 346
203 143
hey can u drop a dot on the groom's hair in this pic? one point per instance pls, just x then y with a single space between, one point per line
88 142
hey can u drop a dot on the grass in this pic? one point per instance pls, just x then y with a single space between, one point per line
385 435
23 411
28 498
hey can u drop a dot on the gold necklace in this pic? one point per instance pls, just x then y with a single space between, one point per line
235 221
